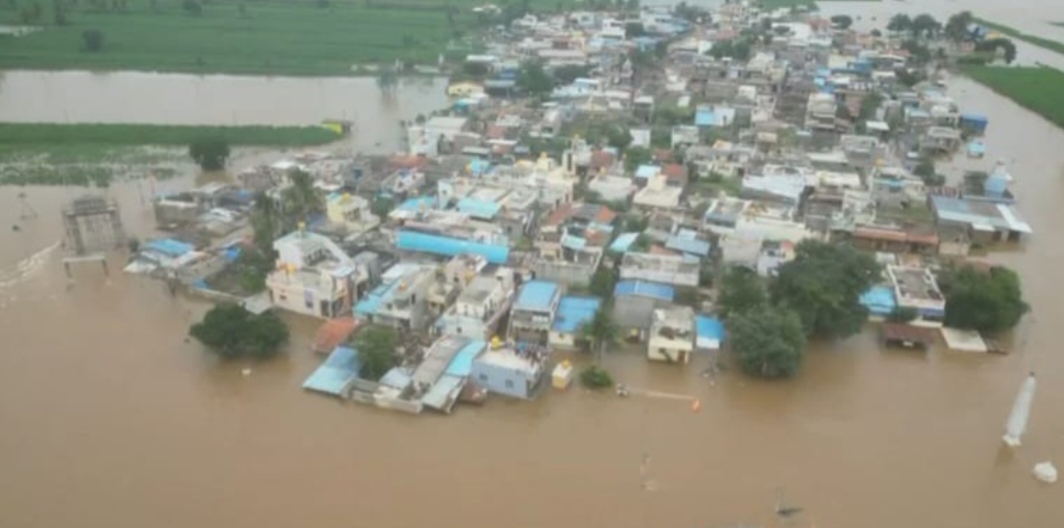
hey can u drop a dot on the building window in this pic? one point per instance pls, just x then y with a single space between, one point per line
483 377
509 384
661 351
458 330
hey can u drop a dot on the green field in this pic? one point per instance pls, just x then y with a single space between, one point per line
31 135
254 37
1048 44
1037 89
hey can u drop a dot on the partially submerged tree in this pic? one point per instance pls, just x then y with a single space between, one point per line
376 351
823 284
209 153
769 341
93 39
842 21
602 282
232 332
741 291
1005 45
899 23
957 26
601 331
636 156
985 301
925 26
594 377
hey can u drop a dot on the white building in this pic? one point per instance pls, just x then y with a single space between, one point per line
314 276
659 194
672 335
479 308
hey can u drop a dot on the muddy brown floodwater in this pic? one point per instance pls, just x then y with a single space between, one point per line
108 418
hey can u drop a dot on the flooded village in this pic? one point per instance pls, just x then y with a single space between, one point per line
539 260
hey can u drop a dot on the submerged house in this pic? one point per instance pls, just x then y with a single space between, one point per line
573 312
636 301
401 300
672 336
510 372
532 315
480 307
314 276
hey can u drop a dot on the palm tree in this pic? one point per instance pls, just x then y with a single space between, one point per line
301 199
266 222
601 331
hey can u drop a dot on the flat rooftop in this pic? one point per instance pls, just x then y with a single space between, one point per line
536 295
915 283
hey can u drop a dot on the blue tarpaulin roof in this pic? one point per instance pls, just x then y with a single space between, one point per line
623 242
688 245
536 295
710 331
333 376
879 300
654 290
368 304
415 204
447 246
169 247
574 311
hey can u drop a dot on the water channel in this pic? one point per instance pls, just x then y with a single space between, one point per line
108 417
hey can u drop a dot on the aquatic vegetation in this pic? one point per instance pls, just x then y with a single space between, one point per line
1035 88
29 135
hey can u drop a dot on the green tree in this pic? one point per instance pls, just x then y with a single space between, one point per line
209 153
823 284
568 74
533 79
741 291
93 39
876 33
769 341
900 23
618 137
842 21
925 26
957 26
266 224
232 332
988 302
381 206
601 331
636 156
993 45
301 199
602 283
376 351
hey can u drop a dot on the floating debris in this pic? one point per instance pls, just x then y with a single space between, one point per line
1021 411
1045 472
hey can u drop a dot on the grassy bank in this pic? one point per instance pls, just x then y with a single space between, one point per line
321 37
1048 44
1037 89
33 135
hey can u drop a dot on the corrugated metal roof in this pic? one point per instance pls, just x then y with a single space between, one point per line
688 245
479 208
623 242
574 311
536 295
462 363
333 376
441 245
654 290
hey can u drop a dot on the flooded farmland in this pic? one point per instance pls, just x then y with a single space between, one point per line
108 417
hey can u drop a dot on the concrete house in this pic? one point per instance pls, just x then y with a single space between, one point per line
635 302
401 300
532 315
480 307
665 269
916 288
672 335
314 276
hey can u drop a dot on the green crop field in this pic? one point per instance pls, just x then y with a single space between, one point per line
30 135
1037 89
1048 44
309 37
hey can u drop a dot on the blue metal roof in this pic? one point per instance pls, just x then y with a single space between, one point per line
415 204
368 304
479 208
536 295
647 171
462 362
654 290
447 246
339 369
688 245
574 311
